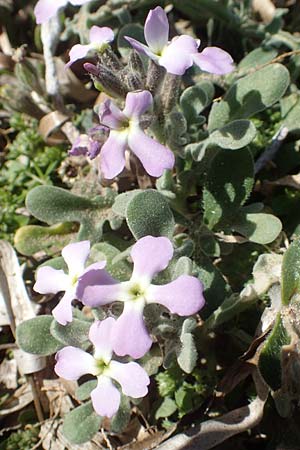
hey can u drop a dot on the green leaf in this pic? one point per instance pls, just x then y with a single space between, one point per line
74 333
257 57
33 336
270 356
250 95
31 239
234 135
122 200
133 30
166 409
229 184
187 356
260 228
215 287
81 424
52 205
195 99
119 269
290 273
122 417
83 392
290 111
148 213
152 360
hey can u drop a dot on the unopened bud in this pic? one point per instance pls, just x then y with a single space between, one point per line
106 81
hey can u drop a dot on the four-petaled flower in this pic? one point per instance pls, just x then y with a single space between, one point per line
182 52
100 37
73 362
125 131
45 9
150 255
52 281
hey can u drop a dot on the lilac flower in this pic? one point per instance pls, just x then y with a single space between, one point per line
45 9
182 52
150 255
100 37
52 281
125 131
89 144
73 362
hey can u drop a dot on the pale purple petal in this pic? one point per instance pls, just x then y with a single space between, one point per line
97 287
154 156
156 29
106 397
141 48
45 9
80 145
101 335
72 363
214 60
132 378
62 313
112 156
78 51
85 145
50 281
131 335
137 103
177 56
95 266
94 149
75 255
101 35
150 255
111 116
183 296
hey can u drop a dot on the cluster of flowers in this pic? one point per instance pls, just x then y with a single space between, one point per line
128 334
124 127
93 286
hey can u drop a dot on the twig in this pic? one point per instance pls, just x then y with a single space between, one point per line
271 151
50 32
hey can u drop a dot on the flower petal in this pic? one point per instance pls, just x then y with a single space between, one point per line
101 335
150 255
50 281
45 9
154 156
112 156
95 266
177 56
111 116
131 336
183 296
137 103
214 60
62 313
132 378
101 35
72 363
106 397
97 287
80 145
156 29
75 255
78 51
141 48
